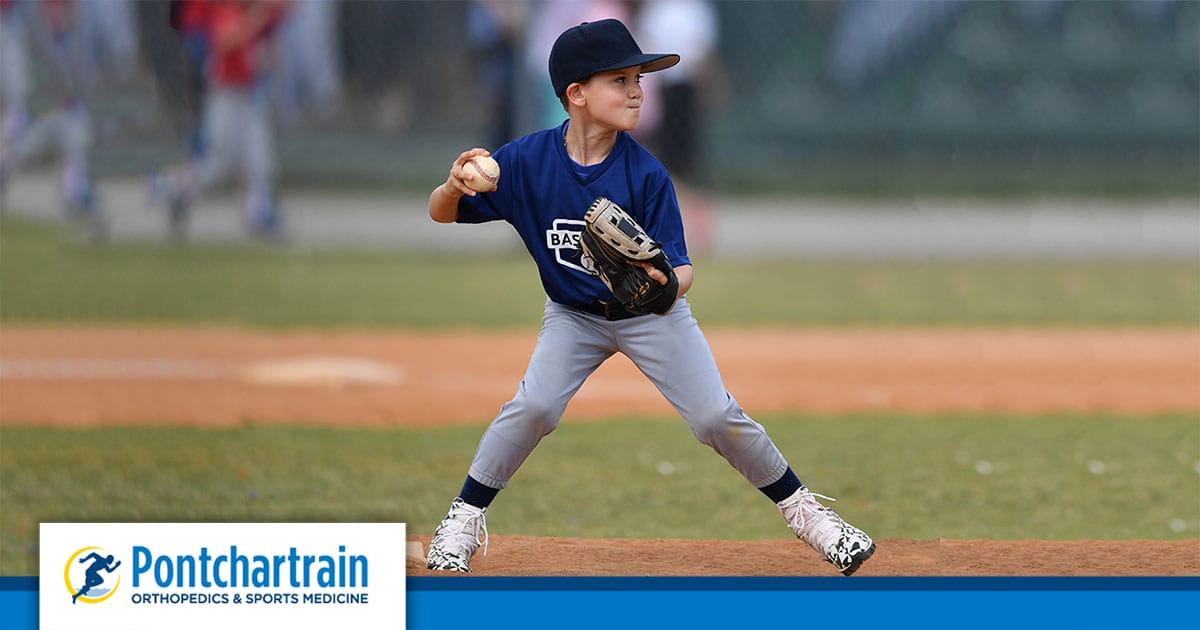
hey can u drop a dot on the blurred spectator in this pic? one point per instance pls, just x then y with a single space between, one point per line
187 17
237 123
56 29
111 38
308 78
690 28
15 79
494 29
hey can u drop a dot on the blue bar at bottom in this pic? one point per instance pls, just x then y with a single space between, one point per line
671 603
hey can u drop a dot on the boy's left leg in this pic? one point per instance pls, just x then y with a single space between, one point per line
673 353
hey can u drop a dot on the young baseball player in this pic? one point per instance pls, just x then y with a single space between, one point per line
548 181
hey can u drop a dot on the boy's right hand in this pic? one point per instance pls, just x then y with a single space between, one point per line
456 183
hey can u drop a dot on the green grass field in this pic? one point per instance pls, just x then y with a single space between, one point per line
998 477
986 476
48 278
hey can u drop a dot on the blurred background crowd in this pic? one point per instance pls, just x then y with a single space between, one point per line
855 97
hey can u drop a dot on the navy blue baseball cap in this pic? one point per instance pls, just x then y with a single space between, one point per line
592 47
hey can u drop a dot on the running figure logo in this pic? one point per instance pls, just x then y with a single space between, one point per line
85 583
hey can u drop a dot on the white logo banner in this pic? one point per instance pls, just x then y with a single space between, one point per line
179 576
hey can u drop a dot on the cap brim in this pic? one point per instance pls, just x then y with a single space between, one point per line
648 61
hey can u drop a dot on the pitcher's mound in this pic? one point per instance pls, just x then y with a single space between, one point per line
529 555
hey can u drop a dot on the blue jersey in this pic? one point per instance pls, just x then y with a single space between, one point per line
544 194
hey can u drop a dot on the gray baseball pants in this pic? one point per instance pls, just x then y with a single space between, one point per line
670 350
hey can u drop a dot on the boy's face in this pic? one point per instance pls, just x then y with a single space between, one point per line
615 98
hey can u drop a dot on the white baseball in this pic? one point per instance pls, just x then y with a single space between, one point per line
486 173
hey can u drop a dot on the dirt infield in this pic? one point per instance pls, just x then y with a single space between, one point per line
526 555
219 377
92 376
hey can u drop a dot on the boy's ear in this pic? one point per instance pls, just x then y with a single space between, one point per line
574 94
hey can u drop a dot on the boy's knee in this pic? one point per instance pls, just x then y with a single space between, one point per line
718 422
710 427
539 414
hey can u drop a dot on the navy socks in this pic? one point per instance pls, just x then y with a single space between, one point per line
787 485
477 494
481 496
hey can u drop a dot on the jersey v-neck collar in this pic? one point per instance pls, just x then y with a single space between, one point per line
595 171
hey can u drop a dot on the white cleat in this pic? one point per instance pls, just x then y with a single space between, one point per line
458 537
839 543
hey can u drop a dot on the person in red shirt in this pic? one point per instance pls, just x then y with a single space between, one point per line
236 128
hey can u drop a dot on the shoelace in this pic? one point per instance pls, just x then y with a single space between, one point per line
456 527
806 513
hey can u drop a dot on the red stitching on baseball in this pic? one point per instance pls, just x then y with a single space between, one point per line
479 169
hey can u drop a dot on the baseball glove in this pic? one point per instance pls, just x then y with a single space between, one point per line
615 246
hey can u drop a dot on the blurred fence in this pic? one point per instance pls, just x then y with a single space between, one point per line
852 96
